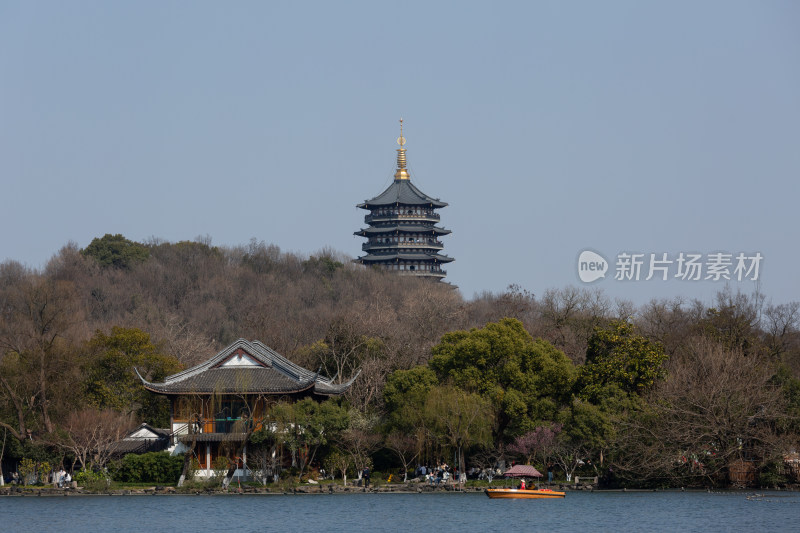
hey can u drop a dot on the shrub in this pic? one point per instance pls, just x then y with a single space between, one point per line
92 480
152 467
33 472
772 475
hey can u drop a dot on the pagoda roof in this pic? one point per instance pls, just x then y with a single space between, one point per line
406 256
247 367
402 192
411 228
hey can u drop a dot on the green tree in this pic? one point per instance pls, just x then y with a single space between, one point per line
588 432
525 380
459 419
619 359
325 264
404 395
111 381
117 251
306 425
338 462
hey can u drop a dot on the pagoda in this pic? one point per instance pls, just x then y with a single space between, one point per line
402 235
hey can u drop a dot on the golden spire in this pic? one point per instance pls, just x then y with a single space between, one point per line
402 173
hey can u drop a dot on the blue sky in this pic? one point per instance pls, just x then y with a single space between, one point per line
549 127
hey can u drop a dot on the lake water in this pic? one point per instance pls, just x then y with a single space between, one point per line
323 513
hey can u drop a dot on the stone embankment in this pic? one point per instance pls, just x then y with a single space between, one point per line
399 488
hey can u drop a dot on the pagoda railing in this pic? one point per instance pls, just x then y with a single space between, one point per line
397 216
213 425
438 245
422 273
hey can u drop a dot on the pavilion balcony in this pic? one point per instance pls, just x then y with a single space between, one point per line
429 244
422 273
217 425
388 217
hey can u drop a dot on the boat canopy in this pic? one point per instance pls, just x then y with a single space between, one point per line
522 471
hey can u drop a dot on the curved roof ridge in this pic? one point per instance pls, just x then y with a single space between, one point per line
276 375
189 372
402 192
326 387
282 361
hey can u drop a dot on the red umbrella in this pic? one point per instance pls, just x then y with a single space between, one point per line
522 471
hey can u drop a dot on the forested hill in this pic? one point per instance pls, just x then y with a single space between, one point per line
70 333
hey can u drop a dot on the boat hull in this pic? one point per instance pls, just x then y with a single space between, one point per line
518 494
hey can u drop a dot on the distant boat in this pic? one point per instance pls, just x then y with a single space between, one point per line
520 494
523 471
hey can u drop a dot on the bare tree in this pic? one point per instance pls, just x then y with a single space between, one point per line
91 434
716 407
406 447
360 445
569 316
782 329
539 444
38 316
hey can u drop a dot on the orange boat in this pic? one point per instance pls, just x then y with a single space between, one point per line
523 494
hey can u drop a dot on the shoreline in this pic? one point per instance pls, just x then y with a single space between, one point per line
13 491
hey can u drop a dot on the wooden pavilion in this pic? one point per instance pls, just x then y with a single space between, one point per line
216 405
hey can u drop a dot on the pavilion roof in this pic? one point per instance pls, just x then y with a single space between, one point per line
247 367
402 192
406 256
409 228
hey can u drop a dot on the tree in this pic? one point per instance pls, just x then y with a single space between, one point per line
111 381
406 447
404 397
360 440
338 461
344 348
91 434
2 454
569 316
537 445
38 319
262 453
588 431
718 406
525 380
306 425
459 419
617 356
116 251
